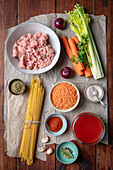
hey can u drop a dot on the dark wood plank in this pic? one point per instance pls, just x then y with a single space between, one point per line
28 8
106 8
103 152
1 57
11 13
38 164
51 159
109 13
5 161
104 157
1 83
62 6
21 165
8 13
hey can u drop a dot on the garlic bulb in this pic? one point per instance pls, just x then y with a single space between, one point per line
45 139
49 151
41 149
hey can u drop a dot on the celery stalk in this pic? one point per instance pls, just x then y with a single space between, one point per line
80 25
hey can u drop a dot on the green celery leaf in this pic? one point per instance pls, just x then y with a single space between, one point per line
76 61
72 60
73 56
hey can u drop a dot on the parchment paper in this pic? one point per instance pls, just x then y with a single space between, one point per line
15 106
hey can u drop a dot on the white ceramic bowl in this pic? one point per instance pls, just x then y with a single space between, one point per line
32 28
66 110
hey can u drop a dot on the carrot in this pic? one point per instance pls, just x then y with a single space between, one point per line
76 41
69 53
75 52
66 46
88 72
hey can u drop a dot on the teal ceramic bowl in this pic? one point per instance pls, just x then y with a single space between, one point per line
72 147
64 126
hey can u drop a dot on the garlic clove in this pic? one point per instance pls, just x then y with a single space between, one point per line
41 149
49 151
45 139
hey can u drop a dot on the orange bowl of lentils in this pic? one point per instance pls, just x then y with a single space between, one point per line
64 96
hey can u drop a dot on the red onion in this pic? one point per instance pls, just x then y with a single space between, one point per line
67 72
59 23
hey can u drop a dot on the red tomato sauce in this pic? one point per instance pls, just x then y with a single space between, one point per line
88 129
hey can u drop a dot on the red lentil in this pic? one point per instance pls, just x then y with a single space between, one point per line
64 96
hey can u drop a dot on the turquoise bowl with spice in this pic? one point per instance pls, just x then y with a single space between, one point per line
67 152
55 124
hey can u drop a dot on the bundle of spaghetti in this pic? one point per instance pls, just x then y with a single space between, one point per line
35 101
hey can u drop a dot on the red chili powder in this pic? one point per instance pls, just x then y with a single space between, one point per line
55 124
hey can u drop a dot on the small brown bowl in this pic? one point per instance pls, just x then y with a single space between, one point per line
10 84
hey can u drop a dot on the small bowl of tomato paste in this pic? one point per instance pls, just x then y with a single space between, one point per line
55 124
88 128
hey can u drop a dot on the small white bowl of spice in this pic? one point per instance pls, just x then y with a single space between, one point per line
16 86
93 93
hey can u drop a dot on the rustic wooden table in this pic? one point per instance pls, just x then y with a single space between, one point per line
13 12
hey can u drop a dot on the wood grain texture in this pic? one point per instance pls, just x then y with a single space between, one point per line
104 157
28 8
48 165
5 161
7 19
1 59
2 157
104 153
13 12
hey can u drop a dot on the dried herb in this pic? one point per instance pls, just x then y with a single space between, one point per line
67 153
17 87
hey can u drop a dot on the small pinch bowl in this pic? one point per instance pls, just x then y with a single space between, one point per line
64 126
69 145
65 110
11 84
85 93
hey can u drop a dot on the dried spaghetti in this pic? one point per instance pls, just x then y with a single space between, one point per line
35 101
